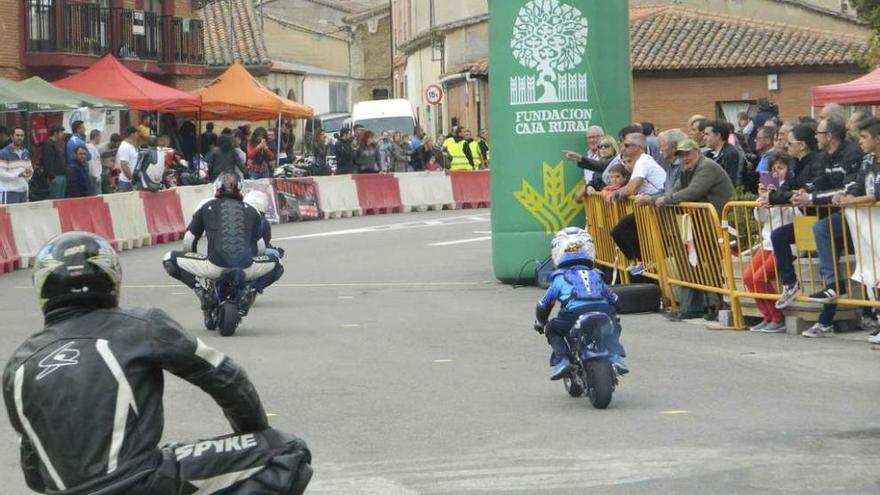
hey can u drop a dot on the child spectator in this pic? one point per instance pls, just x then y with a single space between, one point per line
760 275
618 176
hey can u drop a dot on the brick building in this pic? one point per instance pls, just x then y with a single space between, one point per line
159 39
688 61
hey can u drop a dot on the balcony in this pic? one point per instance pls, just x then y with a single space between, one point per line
72 34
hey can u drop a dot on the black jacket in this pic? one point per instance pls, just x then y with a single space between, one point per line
233 228
841 171
806 171
79 182
85 394
868 181
730 160
219 162
367 159
52 159
344 157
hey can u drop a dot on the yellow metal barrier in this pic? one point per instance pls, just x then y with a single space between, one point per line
856 270
602 216
687 245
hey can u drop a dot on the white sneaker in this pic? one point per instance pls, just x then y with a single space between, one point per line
819 330
774 327
874 339
789 292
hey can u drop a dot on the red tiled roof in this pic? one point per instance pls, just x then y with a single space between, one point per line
247 44
675 38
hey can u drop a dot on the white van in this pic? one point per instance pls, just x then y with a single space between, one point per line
385 115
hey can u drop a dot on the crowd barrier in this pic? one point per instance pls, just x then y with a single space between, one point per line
338 196
192 196
378 193
423 191
87 214
688 245
856 269
32 225
135 219
471 188
164 215
9 258
129 219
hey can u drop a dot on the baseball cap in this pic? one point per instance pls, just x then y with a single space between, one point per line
686 145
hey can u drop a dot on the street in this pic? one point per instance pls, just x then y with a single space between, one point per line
391 349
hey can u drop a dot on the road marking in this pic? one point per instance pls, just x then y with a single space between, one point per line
461 241
674 412
346 297
442 361
271 415
420 224
350 284
351 325
179 293
481 232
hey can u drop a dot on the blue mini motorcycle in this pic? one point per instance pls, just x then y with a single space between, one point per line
593 373
232 297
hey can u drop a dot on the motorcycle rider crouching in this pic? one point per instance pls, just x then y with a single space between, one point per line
232 228
580 289
85 394
260 201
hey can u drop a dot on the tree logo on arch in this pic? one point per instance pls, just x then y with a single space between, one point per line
551 38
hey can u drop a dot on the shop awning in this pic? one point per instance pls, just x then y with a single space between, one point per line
40 86
34 101
108 78
864 90
237 95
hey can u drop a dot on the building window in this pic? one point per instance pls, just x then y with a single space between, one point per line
291 95
339 97
380 94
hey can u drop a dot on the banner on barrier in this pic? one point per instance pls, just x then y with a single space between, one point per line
297 200
558 67
264 185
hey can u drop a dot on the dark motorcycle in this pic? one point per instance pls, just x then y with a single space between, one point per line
593 372
232 298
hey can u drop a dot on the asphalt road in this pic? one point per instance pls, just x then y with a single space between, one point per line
391 349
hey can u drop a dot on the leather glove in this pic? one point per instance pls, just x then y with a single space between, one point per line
538 327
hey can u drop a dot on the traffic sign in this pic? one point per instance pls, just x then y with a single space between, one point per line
434 94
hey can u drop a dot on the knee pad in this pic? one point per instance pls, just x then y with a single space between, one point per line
170 265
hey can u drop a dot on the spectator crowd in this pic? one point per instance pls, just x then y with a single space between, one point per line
802 167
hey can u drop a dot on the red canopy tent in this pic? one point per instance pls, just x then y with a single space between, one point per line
862 91
108 78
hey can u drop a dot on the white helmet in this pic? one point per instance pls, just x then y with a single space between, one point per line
572 246
257 199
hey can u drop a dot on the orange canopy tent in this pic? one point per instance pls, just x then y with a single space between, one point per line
236 95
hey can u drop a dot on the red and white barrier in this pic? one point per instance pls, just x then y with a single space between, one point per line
9 258
129 220
135 219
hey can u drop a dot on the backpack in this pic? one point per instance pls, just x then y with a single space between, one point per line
149 171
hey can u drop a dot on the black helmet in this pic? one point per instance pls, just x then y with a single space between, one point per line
227 185
77 268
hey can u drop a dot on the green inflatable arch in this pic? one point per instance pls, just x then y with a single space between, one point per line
558 67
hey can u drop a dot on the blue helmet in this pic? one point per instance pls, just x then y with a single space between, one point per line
572 246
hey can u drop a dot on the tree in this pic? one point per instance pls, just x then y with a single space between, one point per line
549 37
869 11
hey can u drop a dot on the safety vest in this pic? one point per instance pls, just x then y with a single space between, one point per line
459 159
476 154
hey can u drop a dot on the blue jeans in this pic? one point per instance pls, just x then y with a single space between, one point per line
11 197
259 174
828 232
58 187
560 327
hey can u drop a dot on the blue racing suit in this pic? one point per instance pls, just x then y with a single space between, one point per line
579 289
